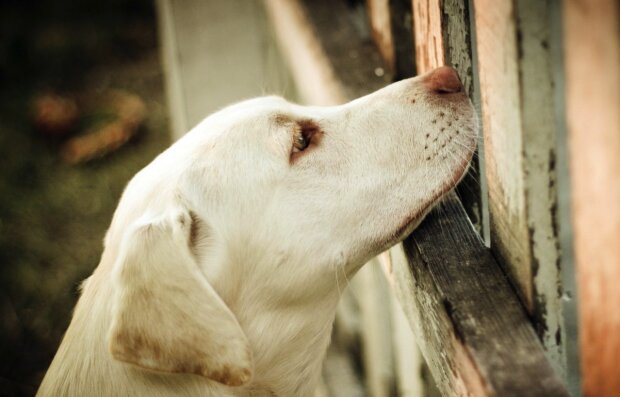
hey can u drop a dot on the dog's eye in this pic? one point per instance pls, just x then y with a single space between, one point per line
303 134
300 142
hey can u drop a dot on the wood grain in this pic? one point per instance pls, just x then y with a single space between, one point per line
592 56
539 126
501 120
473 332
428 35
519 124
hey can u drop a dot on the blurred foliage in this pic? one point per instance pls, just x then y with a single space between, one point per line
53 216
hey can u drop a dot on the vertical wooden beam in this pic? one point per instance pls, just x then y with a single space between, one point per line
428 36
519 124
407 357
373 296
381 27
457 40
569 292
539 171
501 122
311 68
592 56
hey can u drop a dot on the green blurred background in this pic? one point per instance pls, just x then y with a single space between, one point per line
53 215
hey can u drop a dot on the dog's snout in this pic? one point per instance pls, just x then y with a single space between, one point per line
443 80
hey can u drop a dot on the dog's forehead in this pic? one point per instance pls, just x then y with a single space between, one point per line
264 107
251 110
276 110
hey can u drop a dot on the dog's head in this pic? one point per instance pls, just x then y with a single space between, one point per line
284 195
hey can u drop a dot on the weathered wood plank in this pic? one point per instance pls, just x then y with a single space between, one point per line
472 330
569 299
457 40
501 120
519 125
428 35
539 172
592 56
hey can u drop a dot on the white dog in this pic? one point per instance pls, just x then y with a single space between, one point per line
220 268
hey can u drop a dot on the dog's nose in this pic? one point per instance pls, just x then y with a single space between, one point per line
443 80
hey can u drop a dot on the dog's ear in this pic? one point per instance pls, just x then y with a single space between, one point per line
166 315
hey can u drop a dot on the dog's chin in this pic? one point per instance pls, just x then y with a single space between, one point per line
414 220
407 227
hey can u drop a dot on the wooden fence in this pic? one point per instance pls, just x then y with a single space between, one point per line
484 294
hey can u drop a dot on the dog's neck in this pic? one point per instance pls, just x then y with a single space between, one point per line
289 347
288 326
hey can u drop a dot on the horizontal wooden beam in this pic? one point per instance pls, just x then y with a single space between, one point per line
471 328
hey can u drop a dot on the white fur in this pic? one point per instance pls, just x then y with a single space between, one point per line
225 259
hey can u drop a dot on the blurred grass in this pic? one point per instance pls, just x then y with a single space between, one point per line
53 216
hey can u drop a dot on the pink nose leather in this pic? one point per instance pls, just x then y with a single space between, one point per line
444 80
